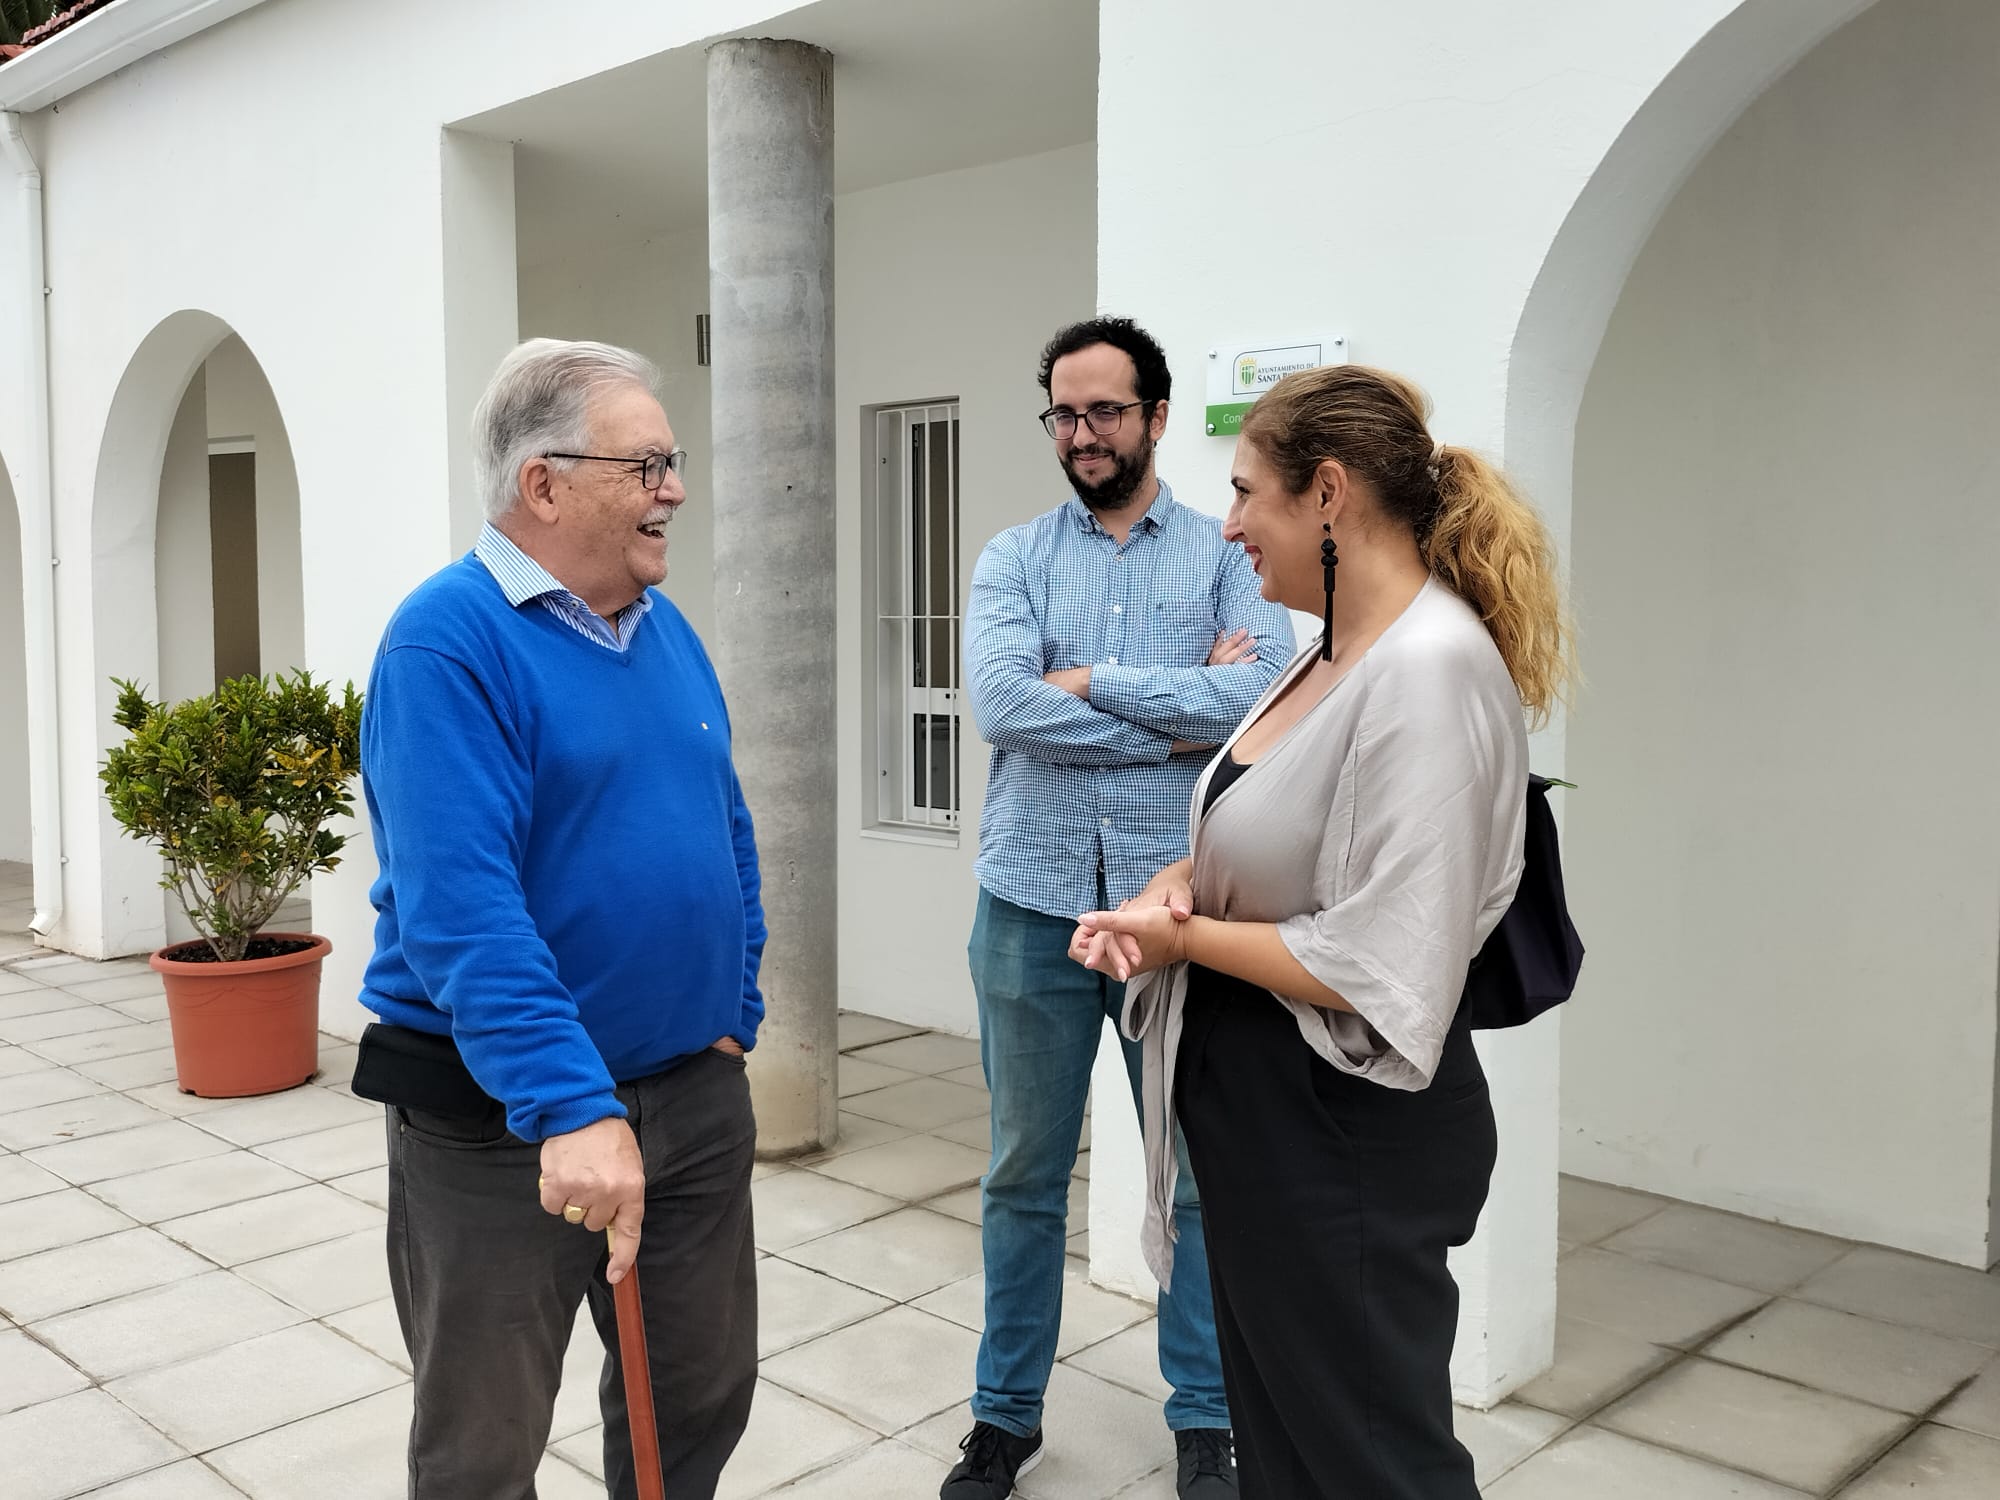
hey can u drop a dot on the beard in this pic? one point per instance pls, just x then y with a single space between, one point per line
1116 489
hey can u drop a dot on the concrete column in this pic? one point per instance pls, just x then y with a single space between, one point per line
770 248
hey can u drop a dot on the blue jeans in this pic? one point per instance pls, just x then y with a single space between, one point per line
1040 1018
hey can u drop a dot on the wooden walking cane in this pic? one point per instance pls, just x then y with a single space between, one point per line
638 1381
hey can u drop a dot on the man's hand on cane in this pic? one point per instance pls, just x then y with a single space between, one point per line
594 1178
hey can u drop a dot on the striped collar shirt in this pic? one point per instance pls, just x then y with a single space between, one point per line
521 578
1089 794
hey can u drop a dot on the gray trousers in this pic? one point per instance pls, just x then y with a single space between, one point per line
487 1286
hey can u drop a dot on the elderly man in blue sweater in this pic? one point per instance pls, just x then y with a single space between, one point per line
566 952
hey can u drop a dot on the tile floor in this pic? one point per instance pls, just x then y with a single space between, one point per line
193 1306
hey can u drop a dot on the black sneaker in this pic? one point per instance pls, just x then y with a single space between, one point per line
994 1459
1207 1464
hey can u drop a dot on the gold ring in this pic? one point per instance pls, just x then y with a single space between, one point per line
572 1213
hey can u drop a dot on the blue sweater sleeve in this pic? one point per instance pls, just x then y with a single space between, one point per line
745 837
449 785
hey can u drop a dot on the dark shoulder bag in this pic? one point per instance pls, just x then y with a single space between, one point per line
1528 963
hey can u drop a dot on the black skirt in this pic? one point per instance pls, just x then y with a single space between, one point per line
1330 1204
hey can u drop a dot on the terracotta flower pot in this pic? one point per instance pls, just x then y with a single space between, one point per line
245 1028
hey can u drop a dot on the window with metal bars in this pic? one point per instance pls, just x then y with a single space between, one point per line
919 696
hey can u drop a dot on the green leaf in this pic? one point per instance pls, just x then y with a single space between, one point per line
235 788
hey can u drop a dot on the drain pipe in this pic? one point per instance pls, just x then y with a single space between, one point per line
38 552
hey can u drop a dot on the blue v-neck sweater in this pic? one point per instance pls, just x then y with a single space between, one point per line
569 882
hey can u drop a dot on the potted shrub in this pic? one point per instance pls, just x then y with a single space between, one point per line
236 788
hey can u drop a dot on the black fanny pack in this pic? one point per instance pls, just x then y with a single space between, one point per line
417 1070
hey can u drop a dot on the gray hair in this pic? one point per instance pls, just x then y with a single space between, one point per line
538 402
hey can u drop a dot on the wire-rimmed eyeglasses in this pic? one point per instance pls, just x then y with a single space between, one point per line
1103 419
652 469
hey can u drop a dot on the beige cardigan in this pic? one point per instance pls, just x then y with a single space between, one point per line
1382 834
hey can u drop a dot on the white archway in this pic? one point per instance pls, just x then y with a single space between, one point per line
155 584
1557 343
1563 321
1800 751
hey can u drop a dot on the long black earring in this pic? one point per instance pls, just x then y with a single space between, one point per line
1329 559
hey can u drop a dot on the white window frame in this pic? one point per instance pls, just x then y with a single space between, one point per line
914 671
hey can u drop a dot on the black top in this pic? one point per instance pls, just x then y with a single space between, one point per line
1227 770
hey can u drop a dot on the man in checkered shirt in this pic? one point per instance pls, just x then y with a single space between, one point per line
1110 644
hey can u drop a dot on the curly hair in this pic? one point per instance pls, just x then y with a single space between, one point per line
1149 360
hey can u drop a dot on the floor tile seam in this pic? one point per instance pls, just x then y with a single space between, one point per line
1926 1418
1682 1270
822 1466
154 1367
1796 1384
100 1092
1699 1343
184 1458
1146 1478
1701 1458
1676 1358
121 1177
848 1417
910 1301
1786 1290
1867 1464
1597 1243
1713 1356
1906 1425
904 1202
8 1258
168 1218
1992 1346
205 1454
1110 1380
1569 1425
899 1205
34 1045
842 1327
62 1185
329 1182
198 1116
919 1129
41 1341
181 1451
339 1234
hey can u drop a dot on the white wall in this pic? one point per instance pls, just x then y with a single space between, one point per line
1786 848
183 572
241 405
946 286
13 686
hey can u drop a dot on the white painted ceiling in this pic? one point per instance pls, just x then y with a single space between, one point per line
920 86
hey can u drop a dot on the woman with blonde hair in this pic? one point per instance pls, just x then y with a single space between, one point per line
1296 982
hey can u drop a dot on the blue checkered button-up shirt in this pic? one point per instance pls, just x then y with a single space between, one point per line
1077 788
521 578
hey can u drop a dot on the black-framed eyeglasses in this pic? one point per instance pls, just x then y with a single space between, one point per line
1103 419
652 469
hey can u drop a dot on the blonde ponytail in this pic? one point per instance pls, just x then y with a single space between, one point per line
1491 547
1476 533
